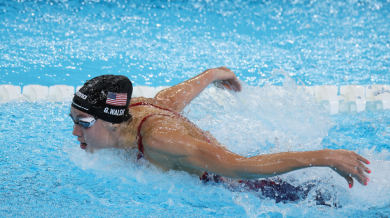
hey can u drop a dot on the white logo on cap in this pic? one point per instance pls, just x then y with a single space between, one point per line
81 95
115 112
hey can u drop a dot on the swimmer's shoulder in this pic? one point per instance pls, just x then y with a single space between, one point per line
148 100
142 99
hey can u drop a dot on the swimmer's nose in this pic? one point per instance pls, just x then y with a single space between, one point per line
77 130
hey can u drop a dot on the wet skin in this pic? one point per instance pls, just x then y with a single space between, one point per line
171 142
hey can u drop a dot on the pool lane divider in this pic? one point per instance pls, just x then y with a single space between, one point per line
343 99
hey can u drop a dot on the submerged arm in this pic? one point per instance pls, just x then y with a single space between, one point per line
176 144
178 96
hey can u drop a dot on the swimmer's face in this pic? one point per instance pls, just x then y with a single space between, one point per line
99 136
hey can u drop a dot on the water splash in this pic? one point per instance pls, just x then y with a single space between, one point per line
264 119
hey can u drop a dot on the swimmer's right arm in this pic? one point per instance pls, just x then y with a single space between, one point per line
180 95
190 152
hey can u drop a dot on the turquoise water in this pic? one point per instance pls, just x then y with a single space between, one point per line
44 173
164 42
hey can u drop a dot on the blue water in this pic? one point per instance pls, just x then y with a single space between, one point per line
44 173
164 42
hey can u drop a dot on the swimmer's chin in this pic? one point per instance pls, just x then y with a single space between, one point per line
90 149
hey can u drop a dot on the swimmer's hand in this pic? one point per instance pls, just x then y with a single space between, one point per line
348 164
224 77
180 95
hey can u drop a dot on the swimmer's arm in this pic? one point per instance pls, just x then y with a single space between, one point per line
190 152
179 96
346 163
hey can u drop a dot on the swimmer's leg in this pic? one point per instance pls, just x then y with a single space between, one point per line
284 192
274 188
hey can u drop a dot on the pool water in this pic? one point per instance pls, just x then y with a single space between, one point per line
44 173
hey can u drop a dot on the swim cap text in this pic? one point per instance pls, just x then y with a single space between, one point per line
81 95
115 112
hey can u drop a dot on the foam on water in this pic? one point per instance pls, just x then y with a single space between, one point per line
263 119
44 171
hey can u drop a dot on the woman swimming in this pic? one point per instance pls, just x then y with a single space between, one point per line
107 117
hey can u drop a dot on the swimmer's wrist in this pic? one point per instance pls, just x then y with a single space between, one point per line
315 159
322 158
213 76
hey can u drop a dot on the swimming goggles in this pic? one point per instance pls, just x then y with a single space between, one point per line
85 122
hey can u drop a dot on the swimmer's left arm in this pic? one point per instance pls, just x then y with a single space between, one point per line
179 96
175 143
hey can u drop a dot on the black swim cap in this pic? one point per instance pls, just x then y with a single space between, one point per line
106 97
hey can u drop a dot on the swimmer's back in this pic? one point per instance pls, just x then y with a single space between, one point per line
142 107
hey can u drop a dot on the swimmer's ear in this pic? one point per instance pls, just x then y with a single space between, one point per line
111 126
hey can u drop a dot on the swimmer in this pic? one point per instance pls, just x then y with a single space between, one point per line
106 116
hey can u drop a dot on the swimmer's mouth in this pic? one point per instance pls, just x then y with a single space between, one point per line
83 145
